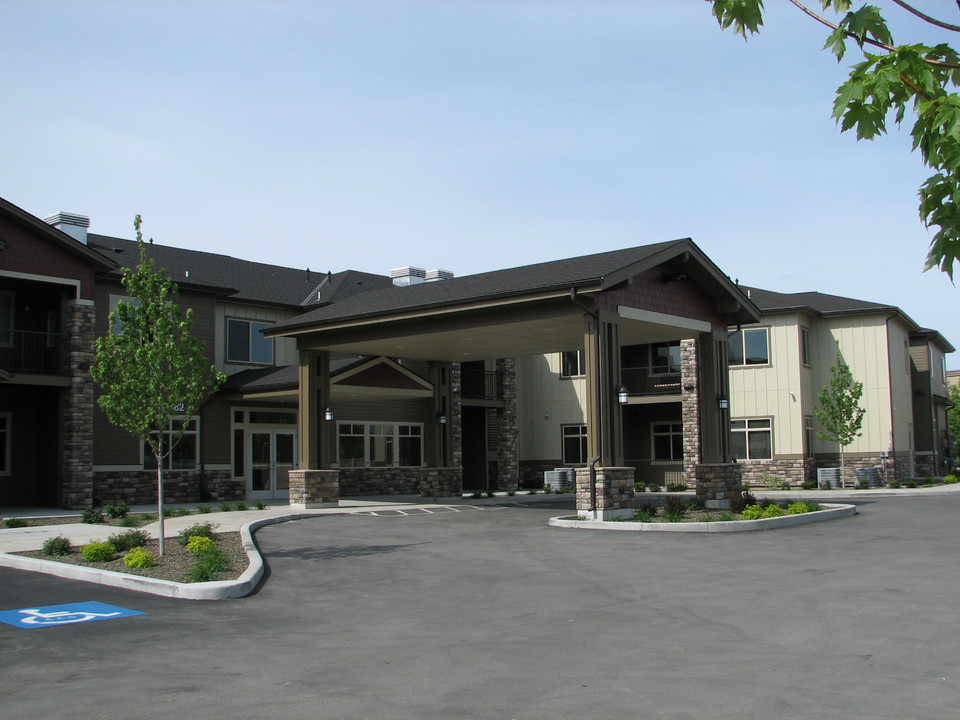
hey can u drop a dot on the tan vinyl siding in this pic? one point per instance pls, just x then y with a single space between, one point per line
545 403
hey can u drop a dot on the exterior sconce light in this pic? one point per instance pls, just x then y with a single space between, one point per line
723 403
622 395
328 414
441 418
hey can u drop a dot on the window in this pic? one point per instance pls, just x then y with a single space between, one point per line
572 363
5 420
748 347
804 345
117 326
665 357
184 453
6 319
751 439
379 445
246 344
667 441
574 444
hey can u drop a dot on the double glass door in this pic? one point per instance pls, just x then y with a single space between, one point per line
273 454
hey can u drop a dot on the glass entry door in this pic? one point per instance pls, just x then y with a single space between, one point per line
273 455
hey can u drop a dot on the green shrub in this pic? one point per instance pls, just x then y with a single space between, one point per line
751 512
511 493
798 508
739 502
653 487
863 484
241 506
128 540
951 480
547 489
676 487
98 551
929 480
225 507
57 546
199 543
198 530
203 509
261 505
809 484
642 515
15 523
772 511
726 516
117 510
813 506
567 490
92 516
139 558
129 521
910 484
696 504
477 495
639 487
208 564
893 484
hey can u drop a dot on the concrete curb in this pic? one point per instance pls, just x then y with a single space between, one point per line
217 590
830 512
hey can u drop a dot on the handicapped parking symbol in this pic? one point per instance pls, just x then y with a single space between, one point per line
69 614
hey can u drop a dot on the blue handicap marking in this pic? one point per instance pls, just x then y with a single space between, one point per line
68 614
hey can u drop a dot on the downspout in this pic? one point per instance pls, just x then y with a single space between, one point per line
595 314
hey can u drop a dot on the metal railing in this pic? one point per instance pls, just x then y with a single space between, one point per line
481 385
644 381
30 351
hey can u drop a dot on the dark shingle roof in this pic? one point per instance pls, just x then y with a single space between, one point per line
815 302
243 280
571 272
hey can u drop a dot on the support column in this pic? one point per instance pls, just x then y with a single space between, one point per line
718 479
314 483
77 491
508 445
604 414
690 409
613 488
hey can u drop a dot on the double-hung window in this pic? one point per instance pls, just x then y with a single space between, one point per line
749 347
804 345
572 363
246 343
184 454
667 441
574 444
751 439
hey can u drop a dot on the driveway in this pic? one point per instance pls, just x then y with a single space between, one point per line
489 613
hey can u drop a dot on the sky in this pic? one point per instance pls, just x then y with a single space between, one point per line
468 135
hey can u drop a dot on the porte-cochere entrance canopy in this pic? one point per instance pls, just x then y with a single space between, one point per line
598 303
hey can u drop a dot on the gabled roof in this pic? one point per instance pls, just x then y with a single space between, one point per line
242 280
60 238
596 271
816 303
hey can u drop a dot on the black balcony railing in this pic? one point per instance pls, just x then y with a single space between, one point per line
644 381
481 385
27 351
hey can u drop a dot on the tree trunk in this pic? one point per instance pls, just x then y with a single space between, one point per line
160 499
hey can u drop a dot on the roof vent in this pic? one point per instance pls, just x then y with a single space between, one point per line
408 275
434 275
72 224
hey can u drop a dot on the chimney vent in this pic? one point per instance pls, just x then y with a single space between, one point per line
434 275
72 224
408 275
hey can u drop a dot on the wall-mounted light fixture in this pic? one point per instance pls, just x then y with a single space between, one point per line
441 418
623 396
328 414
723 403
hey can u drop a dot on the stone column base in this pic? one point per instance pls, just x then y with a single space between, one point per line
441 483
614 493
717 483
314 489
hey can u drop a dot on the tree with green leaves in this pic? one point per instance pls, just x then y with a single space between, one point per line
953 415
153 373
838 408
891 80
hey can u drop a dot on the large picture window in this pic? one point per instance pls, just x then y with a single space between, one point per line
667 441
665 357
574 444
185 452
246 343
749 347
751 439
572 363
379 445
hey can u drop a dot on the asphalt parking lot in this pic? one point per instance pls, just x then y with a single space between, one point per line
489 613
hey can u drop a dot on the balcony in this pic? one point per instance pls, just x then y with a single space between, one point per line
28 351
481 385
644 381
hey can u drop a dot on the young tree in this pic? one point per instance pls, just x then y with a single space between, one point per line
953 417
892 79
153 372
838 408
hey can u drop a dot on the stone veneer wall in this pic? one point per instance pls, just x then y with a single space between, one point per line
614 490
139 487
456 416
690 409
717 483
508 445
380 481
313 488
441 482
77 474
792 470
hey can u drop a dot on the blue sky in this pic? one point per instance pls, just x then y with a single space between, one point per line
464 134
